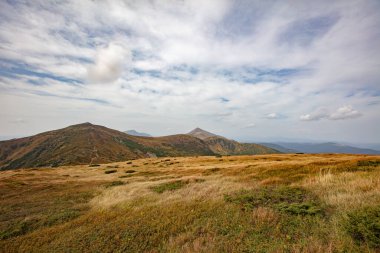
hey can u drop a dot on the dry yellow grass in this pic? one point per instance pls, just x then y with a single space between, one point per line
131 217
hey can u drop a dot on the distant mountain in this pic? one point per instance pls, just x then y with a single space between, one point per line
224 146
280 148
135 133
201 134
328 147
87 143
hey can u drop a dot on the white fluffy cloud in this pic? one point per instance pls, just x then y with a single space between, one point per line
109 64
272 115
344 112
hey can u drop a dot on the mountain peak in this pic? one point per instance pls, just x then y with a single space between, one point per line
201 134
82 124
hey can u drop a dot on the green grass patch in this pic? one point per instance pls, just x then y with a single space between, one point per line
368 163
363 225
28 225
110 171
291 200
170 186
114 183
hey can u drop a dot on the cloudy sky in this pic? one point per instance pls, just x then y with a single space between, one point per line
248 70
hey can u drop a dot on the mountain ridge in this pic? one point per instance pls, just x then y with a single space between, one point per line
324 147
86 143
223 146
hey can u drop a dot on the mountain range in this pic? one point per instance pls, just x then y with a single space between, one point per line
313 148
88 144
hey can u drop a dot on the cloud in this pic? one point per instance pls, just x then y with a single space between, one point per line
321 113
272 115
109 64
251 125
344 112
18 121
175 62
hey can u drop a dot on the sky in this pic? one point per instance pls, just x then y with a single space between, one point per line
247 70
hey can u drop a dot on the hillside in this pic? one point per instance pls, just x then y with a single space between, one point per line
224 146
87 143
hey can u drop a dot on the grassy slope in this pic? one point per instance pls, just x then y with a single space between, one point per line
186 204
223 146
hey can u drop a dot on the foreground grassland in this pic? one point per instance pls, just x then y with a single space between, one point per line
266 203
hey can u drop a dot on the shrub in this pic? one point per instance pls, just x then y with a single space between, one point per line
291 200
114 183
363 225
94 165
129 162
110 171
368 163
112 166
170 186
126 176
130 171
210 171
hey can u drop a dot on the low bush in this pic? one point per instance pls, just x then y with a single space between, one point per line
170 186
368 163
94 165
363 225
126 176
291 200
130 171
210 171
110 171
114 183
